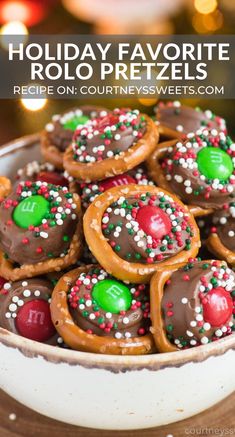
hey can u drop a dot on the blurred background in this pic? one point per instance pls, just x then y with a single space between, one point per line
20 117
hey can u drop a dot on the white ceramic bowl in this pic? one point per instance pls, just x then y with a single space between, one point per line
104 391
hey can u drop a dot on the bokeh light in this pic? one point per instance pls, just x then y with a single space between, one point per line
208 23
148 102
13 28
15 11
27 11
34 104
205 6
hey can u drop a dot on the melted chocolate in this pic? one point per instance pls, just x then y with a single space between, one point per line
224 226
51 238
184 119
91 317
108 136
184 296
132 243
36 323
182 173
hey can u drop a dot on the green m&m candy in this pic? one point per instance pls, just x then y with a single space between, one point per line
214 163
112 296
31 211
73 122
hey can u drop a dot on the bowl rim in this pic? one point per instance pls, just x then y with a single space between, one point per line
113 363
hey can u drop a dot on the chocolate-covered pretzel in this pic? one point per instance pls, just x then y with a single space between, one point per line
193 305
135 230
94 312
40 230
111 145
176 121
59 131
25 310
199 170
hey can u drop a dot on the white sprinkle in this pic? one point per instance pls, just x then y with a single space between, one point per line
188 190
12 307
125 320
44 234
7 286
193 323
15 299
184 300
204 340
189 333
193 342
218 333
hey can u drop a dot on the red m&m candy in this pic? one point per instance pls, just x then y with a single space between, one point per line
34 320
108 120
52 177
218 308
154 221
116 181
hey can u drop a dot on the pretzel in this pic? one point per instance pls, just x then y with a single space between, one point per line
157 284
135 272
215 246
79 339
5 187
158 176
211 312
10 272
118 164
168 134
50 152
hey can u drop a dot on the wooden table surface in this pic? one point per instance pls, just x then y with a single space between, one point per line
18 421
